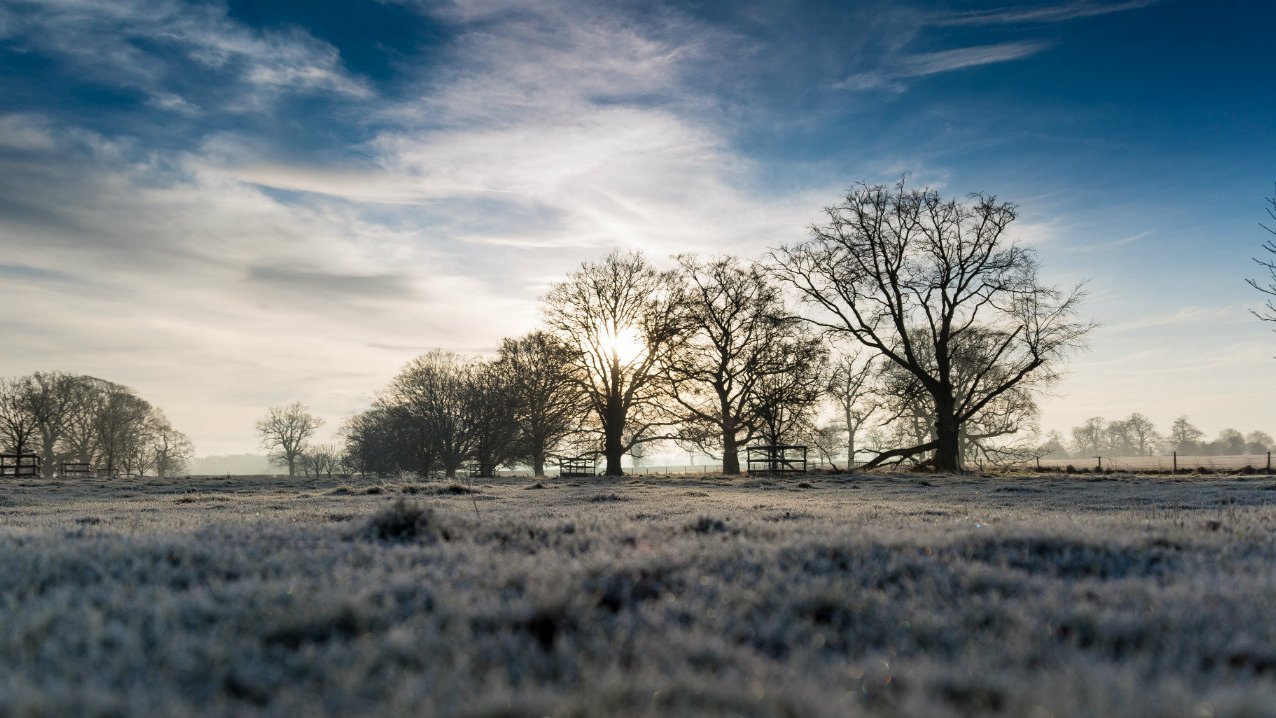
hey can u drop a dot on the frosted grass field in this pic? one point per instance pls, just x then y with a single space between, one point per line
813 596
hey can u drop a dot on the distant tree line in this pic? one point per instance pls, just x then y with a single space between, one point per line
920 335
72 418
1136 435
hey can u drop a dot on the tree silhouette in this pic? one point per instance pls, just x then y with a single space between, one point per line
990 432
436 390
1142 434
547 400
61 394
387 439
493 415
171 450
18 423
625 321
890 261
1184 437
1088 439
740 337
850 385
285 431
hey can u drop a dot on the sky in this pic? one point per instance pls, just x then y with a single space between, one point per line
233 205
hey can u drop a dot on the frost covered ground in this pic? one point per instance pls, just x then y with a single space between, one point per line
813 596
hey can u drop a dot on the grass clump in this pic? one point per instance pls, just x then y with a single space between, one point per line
708 525
607 498
405 522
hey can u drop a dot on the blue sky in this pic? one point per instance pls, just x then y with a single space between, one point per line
232 205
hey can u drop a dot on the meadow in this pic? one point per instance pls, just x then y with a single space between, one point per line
820 595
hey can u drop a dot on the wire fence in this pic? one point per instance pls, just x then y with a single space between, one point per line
708 469
1169 463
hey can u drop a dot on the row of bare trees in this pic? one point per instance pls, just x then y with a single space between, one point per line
64 417
1137 435
916 318
706 355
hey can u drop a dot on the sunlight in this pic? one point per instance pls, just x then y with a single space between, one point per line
624 344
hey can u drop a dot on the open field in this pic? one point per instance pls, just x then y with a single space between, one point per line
812 596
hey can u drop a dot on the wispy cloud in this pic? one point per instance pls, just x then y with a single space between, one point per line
1182 317
905 66
933 63
138 44
1028 14
1105 246
26 132
898 65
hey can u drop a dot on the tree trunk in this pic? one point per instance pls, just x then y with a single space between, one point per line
48 458
613 432
947 436
613 450
538 464
730 454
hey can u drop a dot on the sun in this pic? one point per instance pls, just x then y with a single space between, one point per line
622 344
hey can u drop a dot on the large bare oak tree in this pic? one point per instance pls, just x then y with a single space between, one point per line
625 319
741 339
895 267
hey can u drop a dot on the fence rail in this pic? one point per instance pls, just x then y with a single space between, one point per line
663 470
1173 462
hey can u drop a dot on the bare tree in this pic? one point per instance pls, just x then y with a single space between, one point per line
827 441
285 431
1003 432
80 436
60 395
891 261
33 410
171 450
1229 442
1257 442
1087 439
18 423
1184 437
1117 438
1142 434
387 439
546 394
320 460
437 391
850 384
1268 312
493 416
999 433
786 404
739 335
123 431
624 320
1053 446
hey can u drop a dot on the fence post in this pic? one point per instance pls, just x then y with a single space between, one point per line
1175 470
1100 458
1269 461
